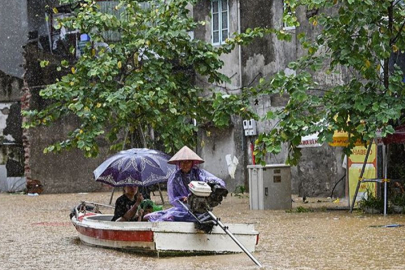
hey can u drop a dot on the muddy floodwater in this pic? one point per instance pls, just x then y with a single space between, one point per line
36 233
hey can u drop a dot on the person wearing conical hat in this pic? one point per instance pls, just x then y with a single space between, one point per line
177 185
185 154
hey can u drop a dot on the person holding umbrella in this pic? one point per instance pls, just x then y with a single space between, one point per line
177 185
140 167
126 206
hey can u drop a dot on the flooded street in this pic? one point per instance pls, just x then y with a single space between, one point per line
36 233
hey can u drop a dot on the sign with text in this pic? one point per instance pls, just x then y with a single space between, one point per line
355 165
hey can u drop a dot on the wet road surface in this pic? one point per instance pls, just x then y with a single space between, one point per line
36 233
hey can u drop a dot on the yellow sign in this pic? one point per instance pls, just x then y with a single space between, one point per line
355 165
354 174
359 154
341 138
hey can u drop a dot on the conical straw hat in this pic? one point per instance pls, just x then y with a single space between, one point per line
185 153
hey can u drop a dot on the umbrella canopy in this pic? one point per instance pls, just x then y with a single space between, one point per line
137 166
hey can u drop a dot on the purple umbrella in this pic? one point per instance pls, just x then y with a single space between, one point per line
137 166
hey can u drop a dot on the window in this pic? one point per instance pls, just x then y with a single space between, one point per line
219 21
108 7
288 17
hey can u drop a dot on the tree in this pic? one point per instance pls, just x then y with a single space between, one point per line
143 83
361 37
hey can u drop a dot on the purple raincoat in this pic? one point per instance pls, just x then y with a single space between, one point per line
177 188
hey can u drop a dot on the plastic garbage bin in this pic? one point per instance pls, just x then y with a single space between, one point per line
270 186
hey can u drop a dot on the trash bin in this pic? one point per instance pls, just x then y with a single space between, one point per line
270 186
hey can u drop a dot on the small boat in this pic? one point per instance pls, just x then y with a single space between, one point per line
162 238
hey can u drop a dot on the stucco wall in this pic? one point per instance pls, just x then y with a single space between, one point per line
13 33
263 58
232 60
245 65
318 171
11 150
68 171
215 145
313 176
71 172
320 168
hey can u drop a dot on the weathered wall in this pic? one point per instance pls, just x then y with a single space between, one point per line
313 176
214 144
68 171
266 56
245 65
321 167
13 33
318 171
201 12
263 58
11 150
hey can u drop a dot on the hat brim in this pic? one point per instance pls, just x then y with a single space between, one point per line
184 154
180 160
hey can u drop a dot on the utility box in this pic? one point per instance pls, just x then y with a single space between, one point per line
270 187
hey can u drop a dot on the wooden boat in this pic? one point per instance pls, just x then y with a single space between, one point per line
162 238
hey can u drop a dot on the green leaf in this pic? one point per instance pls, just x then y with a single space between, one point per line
64 63
44 63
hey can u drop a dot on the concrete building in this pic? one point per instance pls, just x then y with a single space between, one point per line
29 36
26 37
13 33
313 176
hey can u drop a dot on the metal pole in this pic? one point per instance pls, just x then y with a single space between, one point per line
112 195
225 228
160 193
361 176
385 162
123 147
355 195
188 210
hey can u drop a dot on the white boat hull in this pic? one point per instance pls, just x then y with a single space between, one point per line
163 238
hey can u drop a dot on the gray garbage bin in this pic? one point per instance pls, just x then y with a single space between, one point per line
270 186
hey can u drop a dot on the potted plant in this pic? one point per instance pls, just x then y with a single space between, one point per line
371 204
398 203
